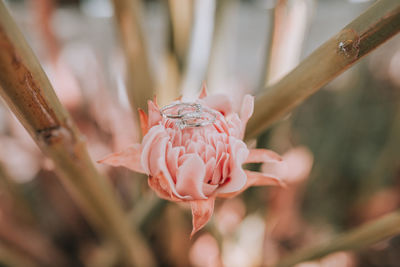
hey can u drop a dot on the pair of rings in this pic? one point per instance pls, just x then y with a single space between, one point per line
187 115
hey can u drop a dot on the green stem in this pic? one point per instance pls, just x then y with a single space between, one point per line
27 91
362 236
371 29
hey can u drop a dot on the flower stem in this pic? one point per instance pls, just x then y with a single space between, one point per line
371 29
27 91
362 236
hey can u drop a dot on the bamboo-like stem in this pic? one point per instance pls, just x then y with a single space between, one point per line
362 236
371 29
289 25
169 84
174 58
140 85
29 94
180 15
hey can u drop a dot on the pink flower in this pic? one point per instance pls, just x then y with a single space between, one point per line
197 164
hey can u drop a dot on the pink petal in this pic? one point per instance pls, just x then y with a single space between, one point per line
155 101
158 165
235 182
203 92
154 114
210 166
202 211
255 179
172 160
219 102
160 185
170 186
157 154
209 189
129 158
237 175
245 113
262 179
190 177
144 120
236 127
262 155
299 161
247 108
276 169
226 166
147 145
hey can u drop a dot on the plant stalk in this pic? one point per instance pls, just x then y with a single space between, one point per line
361 237
27 91
371 29
140 85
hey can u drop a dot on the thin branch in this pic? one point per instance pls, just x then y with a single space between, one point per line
140 85
379 23
361 237
29 94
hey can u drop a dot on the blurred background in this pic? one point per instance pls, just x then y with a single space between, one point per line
341 145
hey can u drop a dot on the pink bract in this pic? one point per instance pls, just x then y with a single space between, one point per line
198 164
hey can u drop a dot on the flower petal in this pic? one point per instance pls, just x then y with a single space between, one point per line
262 179
245 113
209 189
190 177
144 121
202 211
168 180
255 179
129 158
234 183
247 108
219 102
172 160
154 114
161 186
147 144
203 92
262 155
237 175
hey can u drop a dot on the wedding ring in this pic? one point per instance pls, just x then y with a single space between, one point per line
187 114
